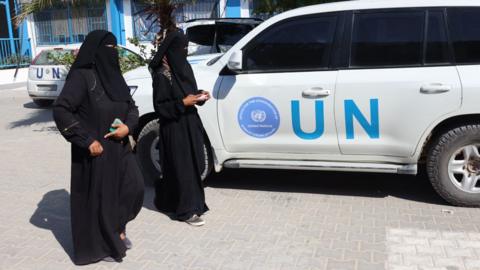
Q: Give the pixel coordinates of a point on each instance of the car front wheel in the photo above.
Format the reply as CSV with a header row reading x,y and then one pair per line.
x,y
149,156
453,165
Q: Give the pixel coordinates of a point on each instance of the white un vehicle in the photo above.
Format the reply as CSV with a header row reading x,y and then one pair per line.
x,y
369,86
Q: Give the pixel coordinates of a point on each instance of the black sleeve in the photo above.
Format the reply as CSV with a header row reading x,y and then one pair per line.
x,y
157,59
164,106
132,117
73,94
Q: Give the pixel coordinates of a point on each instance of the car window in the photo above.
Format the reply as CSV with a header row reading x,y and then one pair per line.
x,y
390,38
50,57
297,44
201,38
464,25
437,50
230,33
201,34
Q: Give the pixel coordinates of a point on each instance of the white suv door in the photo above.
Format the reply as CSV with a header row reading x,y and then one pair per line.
x,y
282,99
399,80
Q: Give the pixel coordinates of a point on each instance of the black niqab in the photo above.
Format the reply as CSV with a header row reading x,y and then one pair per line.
x,y
95,53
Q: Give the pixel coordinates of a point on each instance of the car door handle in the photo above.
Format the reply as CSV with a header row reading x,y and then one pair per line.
x,y
315,92
435,88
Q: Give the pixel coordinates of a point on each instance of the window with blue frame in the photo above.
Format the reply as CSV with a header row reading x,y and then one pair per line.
x,y
68,25
198,10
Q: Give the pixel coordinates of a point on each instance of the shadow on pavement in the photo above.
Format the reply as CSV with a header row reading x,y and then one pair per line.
x,y
35,117
31,105
148,201
53,213
329,183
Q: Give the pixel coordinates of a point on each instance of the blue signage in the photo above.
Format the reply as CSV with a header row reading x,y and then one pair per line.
x,y
258,117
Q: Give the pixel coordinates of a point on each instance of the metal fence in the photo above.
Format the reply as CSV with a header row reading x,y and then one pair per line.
x,y
14,52
198,10
68,25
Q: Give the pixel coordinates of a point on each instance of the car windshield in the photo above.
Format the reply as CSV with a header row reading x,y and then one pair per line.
x,y
230,33
216,38
51,57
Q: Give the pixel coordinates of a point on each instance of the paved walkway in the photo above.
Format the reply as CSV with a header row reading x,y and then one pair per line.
x,y
259,219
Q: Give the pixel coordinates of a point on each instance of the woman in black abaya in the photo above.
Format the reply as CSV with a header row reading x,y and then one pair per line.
x,y
175,94
106,183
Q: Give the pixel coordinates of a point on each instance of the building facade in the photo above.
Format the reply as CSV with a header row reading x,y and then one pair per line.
x,y
68,26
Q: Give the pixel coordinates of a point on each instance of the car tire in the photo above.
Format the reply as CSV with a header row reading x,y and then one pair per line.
x,y
148,157
43,102
453,165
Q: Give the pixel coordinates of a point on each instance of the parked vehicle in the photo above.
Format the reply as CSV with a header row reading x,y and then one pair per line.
x,y
46,77
369,86
47,74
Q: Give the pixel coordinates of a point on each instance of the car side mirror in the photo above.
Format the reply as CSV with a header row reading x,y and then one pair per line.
x,y
235,61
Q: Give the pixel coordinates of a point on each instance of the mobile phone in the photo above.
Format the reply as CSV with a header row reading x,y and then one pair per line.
x,y
203,97
115,122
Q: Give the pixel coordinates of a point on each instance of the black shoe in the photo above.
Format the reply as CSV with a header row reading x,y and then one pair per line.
x,y
108,259
128,243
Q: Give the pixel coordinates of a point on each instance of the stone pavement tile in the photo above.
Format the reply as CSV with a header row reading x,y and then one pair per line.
x,y
430,250
401,267
395,259
329,253
334,236
415,240
265,266
207,264
474,235
351,245
462,227
7,263
361,237
365,256
443,243
183,260
370,266
455,235
378,246
379,257
449,263
311,262
236,265
341,265
417,260
153,256
402,249
472,264
162,266
468,243
453,252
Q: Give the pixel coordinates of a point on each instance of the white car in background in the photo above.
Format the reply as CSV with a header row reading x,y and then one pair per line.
x,y
46,76
388,86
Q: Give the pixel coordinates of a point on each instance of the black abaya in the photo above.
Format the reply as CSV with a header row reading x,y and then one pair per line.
x,y
107,190
182,157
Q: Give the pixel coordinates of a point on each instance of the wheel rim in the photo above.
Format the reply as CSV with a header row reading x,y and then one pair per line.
x,y
464,169
155,154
